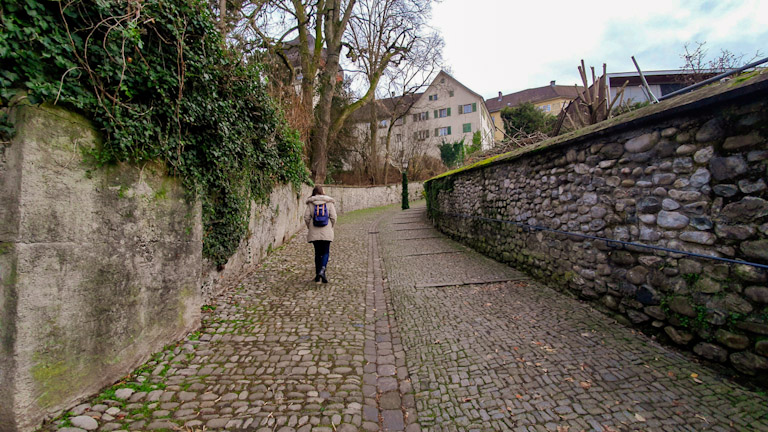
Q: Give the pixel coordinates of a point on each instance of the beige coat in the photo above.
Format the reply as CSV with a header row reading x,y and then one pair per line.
x,y
320,233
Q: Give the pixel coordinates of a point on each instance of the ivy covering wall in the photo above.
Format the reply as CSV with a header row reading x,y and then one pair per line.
x,y
158,81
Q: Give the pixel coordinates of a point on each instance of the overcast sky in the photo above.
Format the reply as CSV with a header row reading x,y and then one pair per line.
x,y
512,45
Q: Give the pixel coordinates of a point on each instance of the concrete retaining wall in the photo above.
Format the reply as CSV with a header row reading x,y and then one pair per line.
x,y
689,174
99,268
351,198
274,223
270,225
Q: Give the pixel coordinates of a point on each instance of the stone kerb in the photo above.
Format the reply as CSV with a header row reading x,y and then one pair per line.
x,y
692,180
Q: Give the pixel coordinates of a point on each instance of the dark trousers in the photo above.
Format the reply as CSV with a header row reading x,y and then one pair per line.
x,y
322,249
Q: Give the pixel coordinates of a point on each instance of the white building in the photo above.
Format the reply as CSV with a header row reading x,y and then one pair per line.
x,y
446,112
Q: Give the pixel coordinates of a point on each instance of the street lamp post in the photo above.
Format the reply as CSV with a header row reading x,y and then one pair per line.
x,y
405,185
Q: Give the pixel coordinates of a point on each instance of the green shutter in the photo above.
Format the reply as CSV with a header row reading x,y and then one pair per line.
x,y
436,116
449,111
474,107
427,115
467,127
460,110
404,119
449,130
435,131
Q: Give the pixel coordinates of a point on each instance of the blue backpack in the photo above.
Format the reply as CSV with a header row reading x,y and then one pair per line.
x,y
320,218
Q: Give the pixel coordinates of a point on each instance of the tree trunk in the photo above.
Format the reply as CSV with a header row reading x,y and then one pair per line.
x,y
334,25
386,151
223,17
373,160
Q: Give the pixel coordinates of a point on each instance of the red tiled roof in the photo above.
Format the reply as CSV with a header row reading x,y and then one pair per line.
x,y
533,95
385,108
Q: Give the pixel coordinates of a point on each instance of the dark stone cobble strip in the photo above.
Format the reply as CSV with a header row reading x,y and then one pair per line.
x,y
389,400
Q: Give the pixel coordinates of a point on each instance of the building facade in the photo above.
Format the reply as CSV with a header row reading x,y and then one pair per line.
x,y
660,82
446,112
550,99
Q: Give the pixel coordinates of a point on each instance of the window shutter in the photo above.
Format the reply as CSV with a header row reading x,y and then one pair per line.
x,y
436,114
427,115
474,107
404,119
436,132
414,117
461,111
449,111
449,130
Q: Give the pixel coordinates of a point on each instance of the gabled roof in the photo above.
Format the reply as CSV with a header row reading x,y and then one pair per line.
x,y
442,72
532,95
385,108
292,54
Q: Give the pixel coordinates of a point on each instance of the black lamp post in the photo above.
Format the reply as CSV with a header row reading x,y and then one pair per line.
x,y
405,185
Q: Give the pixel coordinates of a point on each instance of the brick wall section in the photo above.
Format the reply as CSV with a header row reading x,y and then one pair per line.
x,y
688,175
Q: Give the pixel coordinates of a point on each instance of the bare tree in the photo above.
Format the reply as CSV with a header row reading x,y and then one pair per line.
x,y
377,33
699,67
381,34
415,73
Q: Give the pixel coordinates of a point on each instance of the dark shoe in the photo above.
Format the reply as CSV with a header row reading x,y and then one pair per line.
x,y
317,278
321,275
324,279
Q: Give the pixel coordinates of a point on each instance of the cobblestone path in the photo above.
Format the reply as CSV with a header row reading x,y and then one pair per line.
x,y
516,355
414,332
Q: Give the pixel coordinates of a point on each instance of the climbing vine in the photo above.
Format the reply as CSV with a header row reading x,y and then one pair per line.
x,y
156,78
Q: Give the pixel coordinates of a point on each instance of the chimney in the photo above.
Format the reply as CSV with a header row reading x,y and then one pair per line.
x,y
552,83
499,96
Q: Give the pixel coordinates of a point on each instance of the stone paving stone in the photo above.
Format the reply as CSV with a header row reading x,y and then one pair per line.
x,y
520,356
370,351
279,352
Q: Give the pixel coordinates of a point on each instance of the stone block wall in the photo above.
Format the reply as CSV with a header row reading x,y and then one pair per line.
x,y
688,174
99,268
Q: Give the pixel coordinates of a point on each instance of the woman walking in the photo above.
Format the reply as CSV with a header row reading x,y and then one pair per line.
x,y
320,217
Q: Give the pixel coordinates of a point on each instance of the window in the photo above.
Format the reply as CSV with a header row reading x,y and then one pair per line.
x,y
421,116
443,131
383,123
450,93
546,108
467,127
433,97
445,112
400,121
421,135
398,138
468,108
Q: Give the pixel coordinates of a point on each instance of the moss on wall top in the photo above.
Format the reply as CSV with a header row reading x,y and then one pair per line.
x,y
751,84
